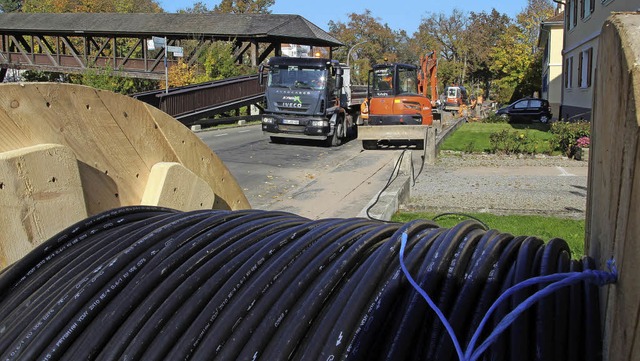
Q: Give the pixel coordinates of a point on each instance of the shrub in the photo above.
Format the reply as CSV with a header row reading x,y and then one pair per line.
x,y
493,118
512,142
566,135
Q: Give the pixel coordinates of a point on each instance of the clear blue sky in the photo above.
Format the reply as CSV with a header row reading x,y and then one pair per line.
x,y
399,15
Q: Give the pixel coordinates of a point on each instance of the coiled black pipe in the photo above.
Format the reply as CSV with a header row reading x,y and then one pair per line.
x,y
152,283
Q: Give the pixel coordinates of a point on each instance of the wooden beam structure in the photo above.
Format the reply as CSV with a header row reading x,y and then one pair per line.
x,y
73,42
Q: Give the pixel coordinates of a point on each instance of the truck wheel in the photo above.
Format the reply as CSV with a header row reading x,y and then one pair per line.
x,y
333,141
370,144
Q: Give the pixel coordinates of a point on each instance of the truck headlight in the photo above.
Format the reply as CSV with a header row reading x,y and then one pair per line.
x,y
268,120
319,123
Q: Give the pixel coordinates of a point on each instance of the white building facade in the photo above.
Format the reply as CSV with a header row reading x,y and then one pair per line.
x,y
583,21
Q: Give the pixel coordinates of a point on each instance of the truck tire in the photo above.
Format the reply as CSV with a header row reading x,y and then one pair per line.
x,y
370,144
334,140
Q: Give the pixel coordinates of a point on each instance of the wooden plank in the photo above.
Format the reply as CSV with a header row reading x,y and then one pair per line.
x,y
40,195
613,218
174,186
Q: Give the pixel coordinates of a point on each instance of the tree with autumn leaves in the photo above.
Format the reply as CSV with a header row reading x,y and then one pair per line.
x,y
490,53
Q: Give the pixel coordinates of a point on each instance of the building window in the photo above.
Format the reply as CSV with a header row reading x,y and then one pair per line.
x,y
568,73
586,8
584,68
567,15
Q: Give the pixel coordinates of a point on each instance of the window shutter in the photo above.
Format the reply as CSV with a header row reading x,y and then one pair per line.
x,y
589,66
580,63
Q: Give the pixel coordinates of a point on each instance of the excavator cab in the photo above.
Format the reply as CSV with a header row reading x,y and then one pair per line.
x,y
394,98
399,108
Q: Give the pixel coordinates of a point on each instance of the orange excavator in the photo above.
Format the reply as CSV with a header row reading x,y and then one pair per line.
x,y
401,101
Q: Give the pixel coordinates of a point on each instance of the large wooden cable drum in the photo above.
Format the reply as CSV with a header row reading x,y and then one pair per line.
x,y
70,151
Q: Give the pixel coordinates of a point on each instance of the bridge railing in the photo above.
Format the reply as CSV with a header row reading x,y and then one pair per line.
x,y
190,103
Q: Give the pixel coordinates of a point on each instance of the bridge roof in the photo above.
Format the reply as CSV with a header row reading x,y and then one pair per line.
x,y
263,27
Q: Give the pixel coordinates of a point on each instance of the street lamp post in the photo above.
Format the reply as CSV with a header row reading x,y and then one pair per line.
x,y
353,47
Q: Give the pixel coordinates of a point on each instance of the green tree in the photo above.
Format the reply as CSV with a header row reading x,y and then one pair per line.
x,y
10,6
378,42
483,34
91,6
447,35
198,8
510,59
218,62
244,6
514,59
531,17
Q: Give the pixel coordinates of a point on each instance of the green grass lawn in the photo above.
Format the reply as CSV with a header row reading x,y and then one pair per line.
x,y
545,228
474,137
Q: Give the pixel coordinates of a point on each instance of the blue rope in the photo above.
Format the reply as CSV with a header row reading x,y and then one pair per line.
x,y
557,281
424,295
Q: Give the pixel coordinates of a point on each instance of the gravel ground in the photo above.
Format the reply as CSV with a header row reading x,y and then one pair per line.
x,y
543,185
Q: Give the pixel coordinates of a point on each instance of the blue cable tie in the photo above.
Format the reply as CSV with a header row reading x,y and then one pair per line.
x,y
556,281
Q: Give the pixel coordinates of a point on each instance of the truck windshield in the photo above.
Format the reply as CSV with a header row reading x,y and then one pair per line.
x,y
292,76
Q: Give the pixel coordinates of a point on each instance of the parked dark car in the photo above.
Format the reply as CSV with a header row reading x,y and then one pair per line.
x,y
527,110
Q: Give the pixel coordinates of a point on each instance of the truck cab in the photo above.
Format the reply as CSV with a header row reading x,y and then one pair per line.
x,y
303,100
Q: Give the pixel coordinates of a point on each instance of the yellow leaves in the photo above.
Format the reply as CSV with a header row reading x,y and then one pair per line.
x,y
182,74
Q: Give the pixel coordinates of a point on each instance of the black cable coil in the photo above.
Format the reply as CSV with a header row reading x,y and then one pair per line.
x,y
148,283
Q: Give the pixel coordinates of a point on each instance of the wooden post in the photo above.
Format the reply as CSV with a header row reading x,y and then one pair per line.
x,y
613,218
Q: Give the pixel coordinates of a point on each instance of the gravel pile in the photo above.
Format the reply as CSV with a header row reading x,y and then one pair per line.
x,y
544,185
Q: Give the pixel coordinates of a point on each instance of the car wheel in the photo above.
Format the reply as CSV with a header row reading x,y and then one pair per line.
x,y
544,119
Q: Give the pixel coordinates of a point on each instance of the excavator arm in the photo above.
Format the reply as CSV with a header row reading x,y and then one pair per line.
x,y
428,77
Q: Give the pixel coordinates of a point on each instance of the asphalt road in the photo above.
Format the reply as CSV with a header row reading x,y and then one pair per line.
x,y
302,177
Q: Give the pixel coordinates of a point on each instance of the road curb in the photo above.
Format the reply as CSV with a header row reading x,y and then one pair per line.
x,y
387,202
